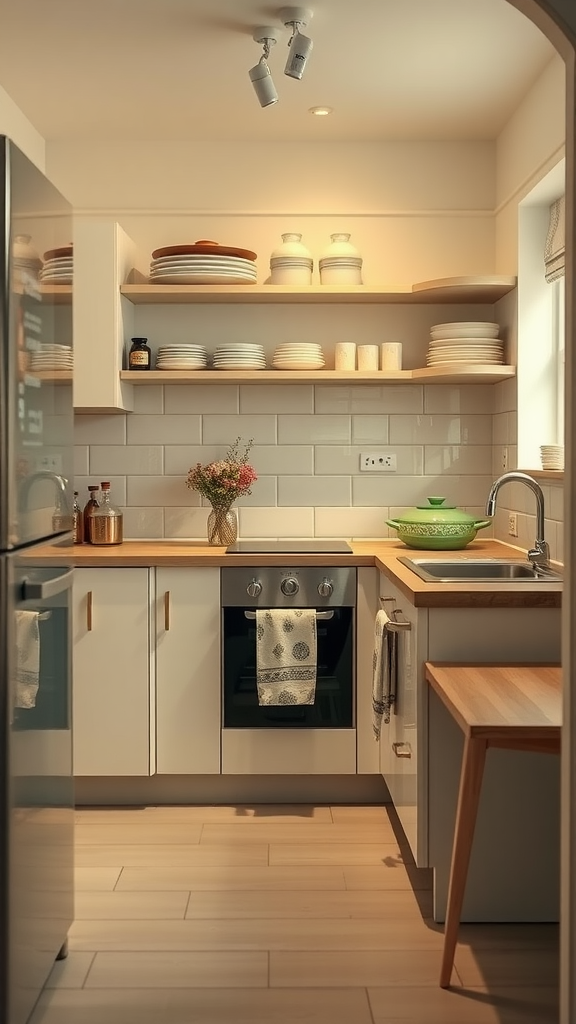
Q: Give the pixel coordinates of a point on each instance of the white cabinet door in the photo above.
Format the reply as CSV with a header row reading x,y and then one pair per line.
x,y
403,740
188,718
111,672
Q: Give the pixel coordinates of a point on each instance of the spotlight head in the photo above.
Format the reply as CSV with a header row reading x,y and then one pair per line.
x,y
260,75
300,45
263,85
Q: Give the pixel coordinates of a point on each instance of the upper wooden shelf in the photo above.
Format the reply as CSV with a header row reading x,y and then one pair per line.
x,y
476,374
489,288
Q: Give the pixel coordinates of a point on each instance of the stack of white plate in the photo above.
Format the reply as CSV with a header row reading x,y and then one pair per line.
x,y
471,342
181,357
202,263
552,456
58,266
239,356
298,356
52,357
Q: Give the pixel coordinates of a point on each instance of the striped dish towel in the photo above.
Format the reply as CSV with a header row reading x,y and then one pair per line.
x,y
286,655
384,661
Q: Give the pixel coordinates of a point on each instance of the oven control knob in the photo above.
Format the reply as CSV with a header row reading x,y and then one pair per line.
x,y
254,589
289,586
326,588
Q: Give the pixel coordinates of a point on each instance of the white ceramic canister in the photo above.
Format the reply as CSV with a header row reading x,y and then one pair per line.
x,y
340,245
340,263
342,274
345,355
291,262
391,355
367,357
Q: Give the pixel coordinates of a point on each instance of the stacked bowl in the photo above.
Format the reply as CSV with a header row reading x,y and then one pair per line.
x,y
181,357
465,342
298,356
52,357
239,356
204,262
552,456
58,266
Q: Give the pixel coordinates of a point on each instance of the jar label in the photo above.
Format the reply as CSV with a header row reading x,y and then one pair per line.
x,y
139,359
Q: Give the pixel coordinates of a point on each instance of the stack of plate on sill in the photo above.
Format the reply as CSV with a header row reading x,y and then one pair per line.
x,y
470,342
58,266
552,456
202,263
182,357
52,357
298,356
239,356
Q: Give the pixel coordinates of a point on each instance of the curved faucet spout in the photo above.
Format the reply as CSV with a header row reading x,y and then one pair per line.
x,y
540,553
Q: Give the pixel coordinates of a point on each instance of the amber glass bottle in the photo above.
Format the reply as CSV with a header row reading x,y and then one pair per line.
x,y
89,507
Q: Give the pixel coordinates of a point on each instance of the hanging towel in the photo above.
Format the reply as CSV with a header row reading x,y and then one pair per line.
x,y
27,659
384,661
286,655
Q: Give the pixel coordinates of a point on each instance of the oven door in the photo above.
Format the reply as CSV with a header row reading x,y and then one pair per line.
x,y
334,706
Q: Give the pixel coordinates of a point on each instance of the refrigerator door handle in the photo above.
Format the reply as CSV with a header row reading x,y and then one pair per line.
x,y
35,591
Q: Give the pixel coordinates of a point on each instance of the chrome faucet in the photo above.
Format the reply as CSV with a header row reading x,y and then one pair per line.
x,y
539,555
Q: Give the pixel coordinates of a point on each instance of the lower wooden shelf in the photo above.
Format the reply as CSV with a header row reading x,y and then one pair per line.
x,y
474,374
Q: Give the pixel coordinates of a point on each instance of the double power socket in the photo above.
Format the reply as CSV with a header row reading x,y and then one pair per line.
x,y
377,462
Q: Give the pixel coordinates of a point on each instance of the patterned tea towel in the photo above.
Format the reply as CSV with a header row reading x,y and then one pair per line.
x,y
384,661
286,655
27,659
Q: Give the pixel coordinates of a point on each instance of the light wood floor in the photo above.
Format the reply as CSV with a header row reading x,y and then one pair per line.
x,y
276,915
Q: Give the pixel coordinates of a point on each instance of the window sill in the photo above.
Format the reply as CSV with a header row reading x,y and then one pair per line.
x,y
556,475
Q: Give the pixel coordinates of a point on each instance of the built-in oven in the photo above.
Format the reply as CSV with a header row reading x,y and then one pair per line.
x,y
331,592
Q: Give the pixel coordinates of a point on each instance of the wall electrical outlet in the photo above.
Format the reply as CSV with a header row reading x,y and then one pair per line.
x,y
512,524
377,462
504,459
49,464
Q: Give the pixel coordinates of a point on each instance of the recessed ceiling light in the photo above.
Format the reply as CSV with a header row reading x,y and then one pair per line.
x,y
321,111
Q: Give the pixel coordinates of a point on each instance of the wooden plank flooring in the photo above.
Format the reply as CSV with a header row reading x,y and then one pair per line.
x,y
277,915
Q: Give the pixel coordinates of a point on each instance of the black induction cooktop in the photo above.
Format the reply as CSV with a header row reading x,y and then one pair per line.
x,y
289,547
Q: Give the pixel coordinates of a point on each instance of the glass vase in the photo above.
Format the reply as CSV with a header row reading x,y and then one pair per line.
x,y
222,526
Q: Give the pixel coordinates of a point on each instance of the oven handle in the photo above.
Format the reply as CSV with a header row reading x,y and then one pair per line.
x,y
319,615
33,591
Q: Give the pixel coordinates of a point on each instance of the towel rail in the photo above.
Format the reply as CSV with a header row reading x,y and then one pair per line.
x,y
319,615
396,625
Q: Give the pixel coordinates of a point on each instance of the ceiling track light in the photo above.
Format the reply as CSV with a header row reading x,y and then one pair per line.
x,y
300,45
260,74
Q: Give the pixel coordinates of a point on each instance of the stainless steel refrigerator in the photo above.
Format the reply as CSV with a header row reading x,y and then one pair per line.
x,y
36,446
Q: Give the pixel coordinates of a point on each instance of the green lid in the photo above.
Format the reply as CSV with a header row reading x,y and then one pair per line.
x,y
435,511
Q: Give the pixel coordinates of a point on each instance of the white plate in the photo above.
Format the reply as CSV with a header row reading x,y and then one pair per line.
x,y
465,350
453,361
240,347
298,366
203,279
239,366
466,341
193,258
181,268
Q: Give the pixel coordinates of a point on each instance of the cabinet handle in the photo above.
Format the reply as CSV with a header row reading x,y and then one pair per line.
x,y
89,611
167,611
397,748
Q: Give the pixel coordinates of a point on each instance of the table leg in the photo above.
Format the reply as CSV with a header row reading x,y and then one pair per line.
x,y
468,799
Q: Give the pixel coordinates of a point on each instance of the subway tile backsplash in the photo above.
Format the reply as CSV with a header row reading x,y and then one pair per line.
x,y
307,446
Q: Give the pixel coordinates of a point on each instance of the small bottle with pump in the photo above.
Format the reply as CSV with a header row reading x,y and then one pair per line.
x,y
106,521
77,521
89,508
140,355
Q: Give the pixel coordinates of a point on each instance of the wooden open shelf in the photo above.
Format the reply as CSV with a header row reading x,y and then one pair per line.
x,y
477,374
488,288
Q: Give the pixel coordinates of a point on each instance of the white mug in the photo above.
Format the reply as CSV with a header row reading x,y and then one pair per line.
x,y
368,357
391,355
345,355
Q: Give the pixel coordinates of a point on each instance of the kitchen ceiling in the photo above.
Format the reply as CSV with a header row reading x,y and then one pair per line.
x,y
178,69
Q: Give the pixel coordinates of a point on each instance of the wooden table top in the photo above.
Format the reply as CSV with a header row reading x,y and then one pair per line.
x,y
501,701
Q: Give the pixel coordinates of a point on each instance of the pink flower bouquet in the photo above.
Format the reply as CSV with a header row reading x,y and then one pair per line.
x,y
224,481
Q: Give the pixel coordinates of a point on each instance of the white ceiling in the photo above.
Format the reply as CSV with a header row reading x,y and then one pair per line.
x,y
178,69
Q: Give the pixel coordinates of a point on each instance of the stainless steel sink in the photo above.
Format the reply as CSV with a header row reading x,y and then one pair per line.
x,y
478,570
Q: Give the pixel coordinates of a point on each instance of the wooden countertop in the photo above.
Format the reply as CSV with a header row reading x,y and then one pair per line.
x,y
383,554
